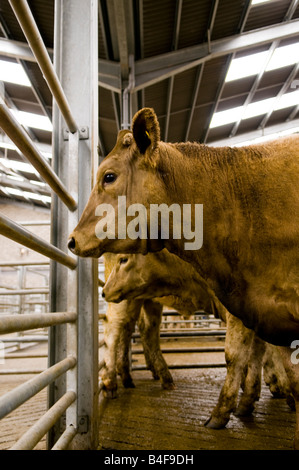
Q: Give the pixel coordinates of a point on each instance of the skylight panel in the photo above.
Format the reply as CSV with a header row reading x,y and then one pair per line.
x,y
257,108
284,56
13,73
246,66
252,64
18,166
33,120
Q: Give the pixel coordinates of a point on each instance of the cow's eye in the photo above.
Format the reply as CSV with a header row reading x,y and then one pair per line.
x,y
109,178
123,260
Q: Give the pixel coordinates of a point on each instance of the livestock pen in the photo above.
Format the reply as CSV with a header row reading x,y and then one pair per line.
x,y
51,333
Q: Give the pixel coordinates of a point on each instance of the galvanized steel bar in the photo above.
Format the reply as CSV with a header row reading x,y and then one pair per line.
x,y
13,399
25,339
35,41
21,139
65,439
72,281
21,371
25,292
187,366
75,48
14,323
8,264
29,440
12,230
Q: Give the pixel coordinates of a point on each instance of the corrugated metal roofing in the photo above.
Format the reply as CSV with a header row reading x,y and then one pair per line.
x,y
186,99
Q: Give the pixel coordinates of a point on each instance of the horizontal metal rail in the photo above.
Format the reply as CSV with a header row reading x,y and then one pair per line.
x,y
25,292
185,350
35,41
12,264
17,134
24,339
14,398
173,334
19,234
65,439
29,440
21,371
186,366
14,323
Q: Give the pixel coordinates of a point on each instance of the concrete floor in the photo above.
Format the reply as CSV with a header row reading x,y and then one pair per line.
x,y
150,418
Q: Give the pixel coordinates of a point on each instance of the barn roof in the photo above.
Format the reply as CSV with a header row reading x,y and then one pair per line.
x,y
174,56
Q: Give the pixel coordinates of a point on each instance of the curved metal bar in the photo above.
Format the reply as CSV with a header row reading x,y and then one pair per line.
x,y
19,234
19,137
35,41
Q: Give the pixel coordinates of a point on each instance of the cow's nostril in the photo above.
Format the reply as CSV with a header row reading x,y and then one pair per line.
x,y
71,244
103,295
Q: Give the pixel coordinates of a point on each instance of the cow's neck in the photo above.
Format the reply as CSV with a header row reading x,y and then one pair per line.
x,y
200,175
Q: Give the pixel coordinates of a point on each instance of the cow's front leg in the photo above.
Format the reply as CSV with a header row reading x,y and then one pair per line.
x,y
112,329
290,361
237,346
149,327
123,364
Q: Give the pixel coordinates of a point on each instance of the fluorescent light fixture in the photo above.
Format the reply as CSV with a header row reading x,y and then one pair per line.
x,y
18,166
33,120
254,109
252,64
13,73
27,194
9,146
258,2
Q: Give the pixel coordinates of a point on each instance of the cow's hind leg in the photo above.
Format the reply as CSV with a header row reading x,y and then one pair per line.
x,y
252,379
274,373
237,346
149,327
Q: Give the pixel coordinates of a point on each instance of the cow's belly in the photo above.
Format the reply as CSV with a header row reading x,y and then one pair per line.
x,y
273,323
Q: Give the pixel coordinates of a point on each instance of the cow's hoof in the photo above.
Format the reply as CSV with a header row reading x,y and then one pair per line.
x,y
244,410
168,386
128,383
110,393
216,423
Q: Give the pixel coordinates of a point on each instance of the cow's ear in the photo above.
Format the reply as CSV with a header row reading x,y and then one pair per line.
x,y
146,130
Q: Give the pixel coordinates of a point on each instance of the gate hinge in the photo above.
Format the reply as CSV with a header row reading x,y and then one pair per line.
x,y
83,133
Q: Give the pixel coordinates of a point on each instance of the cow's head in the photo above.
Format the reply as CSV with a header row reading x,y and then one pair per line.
x,y
129,170
134,276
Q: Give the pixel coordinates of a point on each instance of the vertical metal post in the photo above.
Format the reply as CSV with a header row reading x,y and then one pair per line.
x,y
76,65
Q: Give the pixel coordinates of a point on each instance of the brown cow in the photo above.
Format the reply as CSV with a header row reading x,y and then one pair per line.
x,y
250,198
155,277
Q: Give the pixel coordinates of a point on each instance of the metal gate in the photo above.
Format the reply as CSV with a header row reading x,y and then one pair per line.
x,y
72,374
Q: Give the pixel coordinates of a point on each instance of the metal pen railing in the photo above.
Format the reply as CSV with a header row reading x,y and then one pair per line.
x,y
67,403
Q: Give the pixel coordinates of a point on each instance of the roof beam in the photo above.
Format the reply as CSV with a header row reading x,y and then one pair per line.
x,y
260,75
175,40
152,70
248,136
